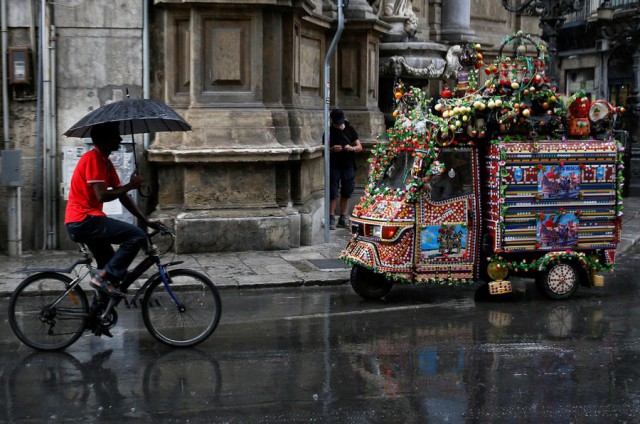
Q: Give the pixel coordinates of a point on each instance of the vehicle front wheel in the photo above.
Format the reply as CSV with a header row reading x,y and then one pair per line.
x,y
559,280
368,284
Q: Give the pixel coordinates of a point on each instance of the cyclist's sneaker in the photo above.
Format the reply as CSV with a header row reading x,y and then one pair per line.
x,y
99,330
104,331
343,222
103,285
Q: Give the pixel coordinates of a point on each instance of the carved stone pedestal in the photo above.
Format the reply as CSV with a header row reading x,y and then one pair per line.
x,y
249,79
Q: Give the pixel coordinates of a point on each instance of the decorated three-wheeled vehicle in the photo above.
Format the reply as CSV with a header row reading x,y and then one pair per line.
x,y
491,180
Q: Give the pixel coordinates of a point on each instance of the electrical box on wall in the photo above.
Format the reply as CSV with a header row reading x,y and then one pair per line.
x,y
11,171
19,65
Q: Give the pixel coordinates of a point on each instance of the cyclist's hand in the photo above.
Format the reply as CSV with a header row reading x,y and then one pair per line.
x,y
159,228
136,181
155,225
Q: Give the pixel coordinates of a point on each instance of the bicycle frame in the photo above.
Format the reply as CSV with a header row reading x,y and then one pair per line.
x,y
188,319
152,258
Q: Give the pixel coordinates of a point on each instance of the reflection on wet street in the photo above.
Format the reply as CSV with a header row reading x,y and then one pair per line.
x,y
423,355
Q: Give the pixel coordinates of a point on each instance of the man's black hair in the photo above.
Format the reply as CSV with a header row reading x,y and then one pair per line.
x,y
100,131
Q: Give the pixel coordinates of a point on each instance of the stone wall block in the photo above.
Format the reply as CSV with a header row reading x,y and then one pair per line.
x,y
232,234
229,185
170,186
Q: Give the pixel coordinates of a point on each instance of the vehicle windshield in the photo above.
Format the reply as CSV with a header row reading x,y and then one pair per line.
x,y
398,174
457,178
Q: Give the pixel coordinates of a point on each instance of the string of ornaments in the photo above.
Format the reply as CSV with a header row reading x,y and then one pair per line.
x,y
516,102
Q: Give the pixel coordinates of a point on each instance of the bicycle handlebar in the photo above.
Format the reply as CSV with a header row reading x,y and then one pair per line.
x,y
163,231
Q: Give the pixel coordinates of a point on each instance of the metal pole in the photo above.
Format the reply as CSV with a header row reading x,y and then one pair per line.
x,y
5,86
39,228
53,111
14,200
552,26
46,118
146,60
327,102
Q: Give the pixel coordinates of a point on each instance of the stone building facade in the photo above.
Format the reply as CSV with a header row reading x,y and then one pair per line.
x,y
247,75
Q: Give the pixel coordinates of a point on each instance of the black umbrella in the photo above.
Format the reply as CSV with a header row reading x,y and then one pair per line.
x,y
136,116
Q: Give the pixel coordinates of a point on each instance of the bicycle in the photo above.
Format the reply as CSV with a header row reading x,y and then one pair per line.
x,y
50,311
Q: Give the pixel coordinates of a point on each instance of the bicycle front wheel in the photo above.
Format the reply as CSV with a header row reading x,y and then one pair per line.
x,y
42,316
186,318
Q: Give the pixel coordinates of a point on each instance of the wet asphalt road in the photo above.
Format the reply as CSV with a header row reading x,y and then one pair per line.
x,y
323,355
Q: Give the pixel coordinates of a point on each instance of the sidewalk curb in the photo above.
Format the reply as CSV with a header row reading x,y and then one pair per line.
x,y
266,270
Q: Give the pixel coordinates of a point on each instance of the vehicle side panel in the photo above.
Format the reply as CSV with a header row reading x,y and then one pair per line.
x,y
553,195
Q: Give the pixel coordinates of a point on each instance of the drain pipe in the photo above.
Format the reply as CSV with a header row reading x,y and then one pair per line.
x,y
48,128
44,87
5,85
145,62
53,133
327,102
38,222
14,201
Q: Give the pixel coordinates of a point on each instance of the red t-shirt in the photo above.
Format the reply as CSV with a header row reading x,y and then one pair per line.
x,y
93,167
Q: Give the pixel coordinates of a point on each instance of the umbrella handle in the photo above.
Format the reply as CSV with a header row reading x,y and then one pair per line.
x,y
145,191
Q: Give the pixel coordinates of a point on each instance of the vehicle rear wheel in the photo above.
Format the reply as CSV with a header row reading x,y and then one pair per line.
x,y
559,281
368,284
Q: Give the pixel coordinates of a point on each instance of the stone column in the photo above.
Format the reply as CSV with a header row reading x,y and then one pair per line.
x,y
456,21
359,9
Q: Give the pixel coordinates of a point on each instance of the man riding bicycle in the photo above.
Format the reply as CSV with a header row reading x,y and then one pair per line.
x,y
93,183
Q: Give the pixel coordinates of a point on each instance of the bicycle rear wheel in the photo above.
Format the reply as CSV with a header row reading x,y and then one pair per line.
x,y
41,317
188,320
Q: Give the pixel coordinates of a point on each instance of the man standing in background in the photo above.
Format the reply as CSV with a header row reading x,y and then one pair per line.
x,y
344,143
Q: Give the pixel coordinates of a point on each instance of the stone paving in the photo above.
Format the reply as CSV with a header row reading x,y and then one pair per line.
x,y
228,270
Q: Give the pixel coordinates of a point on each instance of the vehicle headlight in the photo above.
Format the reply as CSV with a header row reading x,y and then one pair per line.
x,y
384,232
389,232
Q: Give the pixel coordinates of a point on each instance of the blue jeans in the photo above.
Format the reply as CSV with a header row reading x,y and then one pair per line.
x,y
99,233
